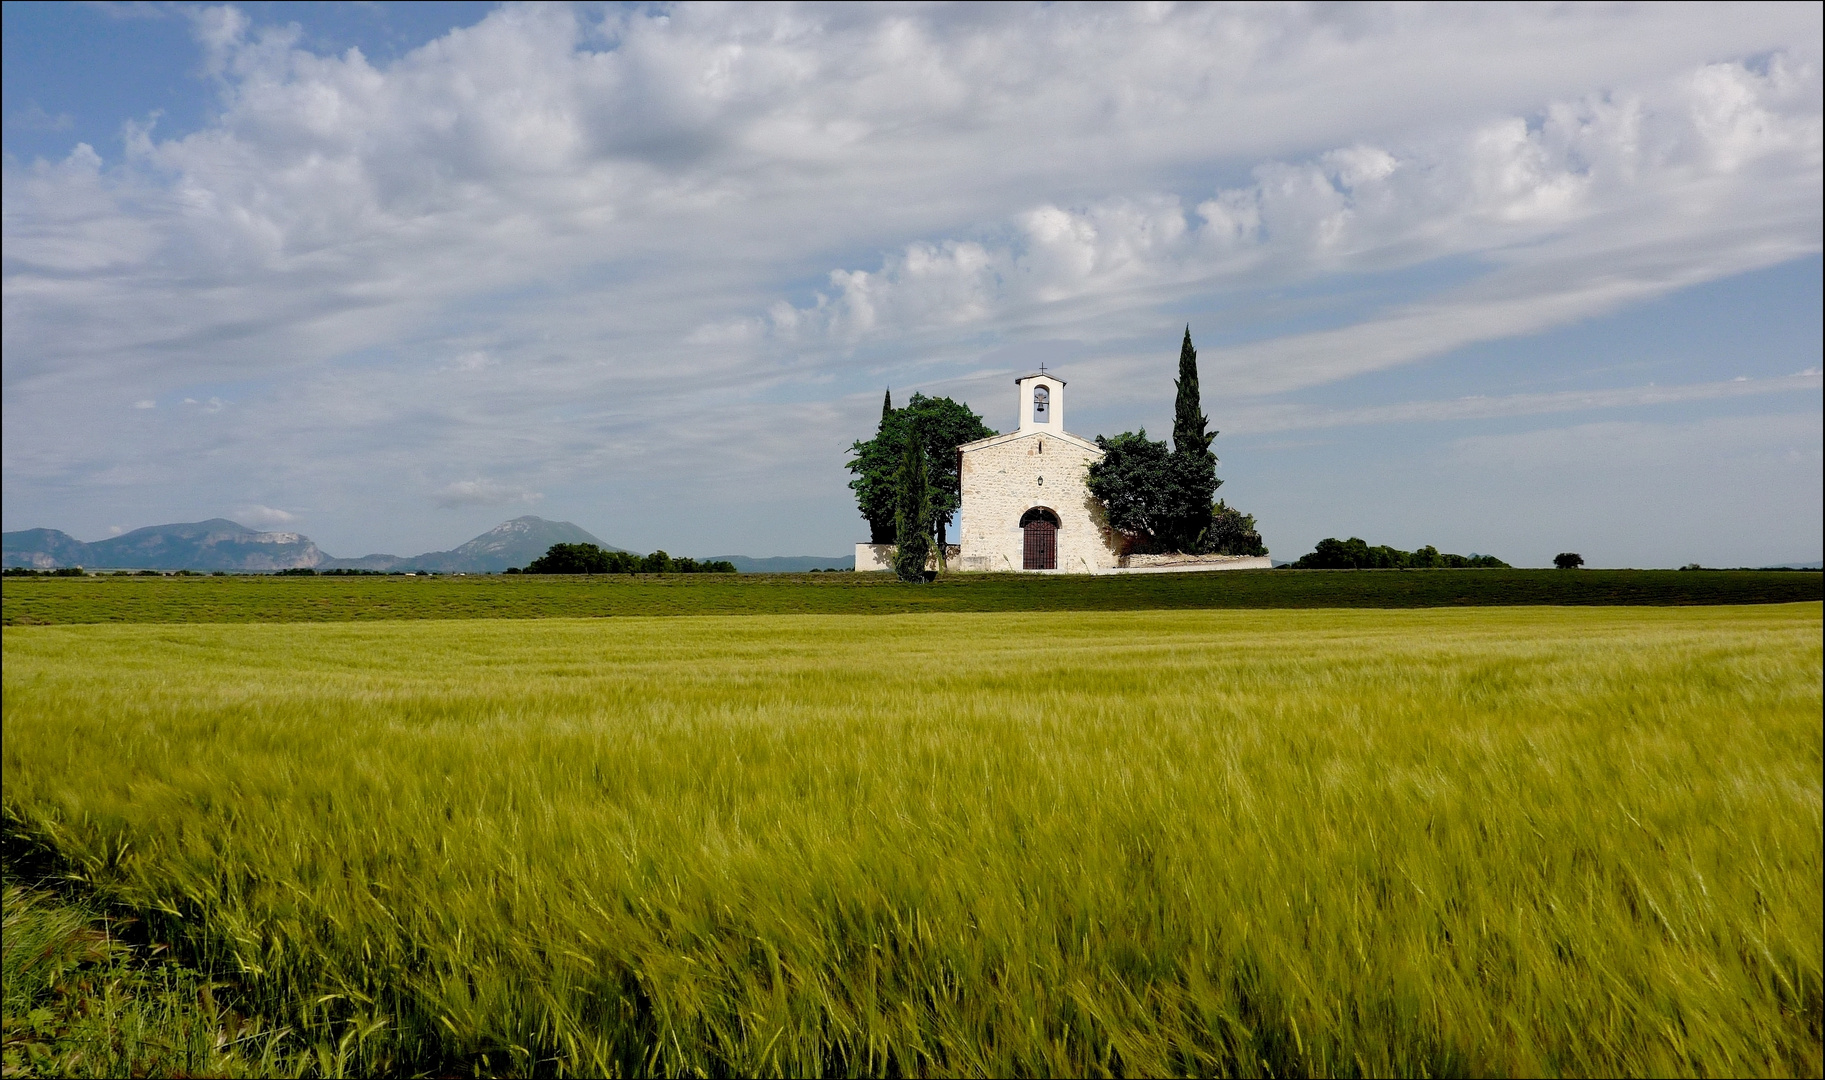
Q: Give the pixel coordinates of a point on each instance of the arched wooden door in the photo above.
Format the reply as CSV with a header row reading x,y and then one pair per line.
x,y
1040,551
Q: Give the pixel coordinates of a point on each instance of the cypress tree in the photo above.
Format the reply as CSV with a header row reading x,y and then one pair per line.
x,y
912,512
881,525
1194,466
941,425
1188,420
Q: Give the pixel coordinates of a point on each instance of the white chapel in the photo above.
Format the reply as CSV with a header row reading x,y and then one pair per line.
x,y
1026,503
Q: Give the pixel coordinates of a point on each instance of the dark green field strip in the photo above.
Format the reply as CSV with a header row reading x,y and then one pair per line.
x,y
270,599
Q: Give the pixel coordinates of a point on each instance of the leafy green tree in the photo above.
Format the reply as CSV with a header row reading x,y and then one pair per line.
x,y
942,425
876,463
912,513
570,559
1232,532
1138,487
1568,560
590,559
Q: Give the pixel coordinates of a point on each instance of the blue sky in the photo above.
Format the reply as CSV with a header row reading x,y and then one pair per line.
x,y
1508,280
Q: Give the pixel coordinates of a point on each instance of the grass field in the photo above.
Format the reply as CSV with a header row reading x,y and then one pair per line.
x,y
42,601
1565,841
84,1000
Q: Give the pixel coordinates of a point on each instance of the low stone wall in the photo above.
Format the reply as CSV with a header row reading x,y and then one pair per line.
x,y
1160,564
880,557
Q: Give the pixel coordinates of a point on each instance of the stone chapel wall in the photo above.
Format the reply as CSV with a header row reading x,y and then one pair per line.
x,y
1003,480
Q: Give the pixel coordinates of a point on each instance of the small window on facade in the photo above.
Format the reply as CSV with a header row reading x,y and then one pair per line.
x,y
1042,399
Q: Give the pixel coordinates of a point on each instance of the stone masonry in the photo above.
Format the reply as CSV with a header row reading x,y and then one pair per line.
x,y
1038,465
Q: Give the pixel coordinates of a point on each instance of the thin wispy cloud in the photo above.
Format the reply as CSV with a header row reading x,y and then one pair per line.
x,y
33,117
484,493
1265,419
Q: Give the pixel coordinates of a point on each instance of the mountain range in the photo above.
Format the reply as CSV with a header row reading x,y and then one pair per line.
x,y
511,543
220,544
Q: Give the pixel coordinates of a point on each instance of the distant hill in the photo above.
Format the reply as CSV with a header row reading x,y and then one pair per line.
x,y
216,544
511,543
786,564
220,544
42,549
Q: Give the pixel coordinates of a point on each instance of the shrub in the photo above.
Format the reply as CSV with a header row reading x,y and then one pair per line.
x,y
1231,533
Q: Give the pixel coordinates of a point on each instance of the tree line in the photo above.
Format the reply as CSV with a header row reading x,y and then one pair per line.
x,y
591,559
1356,554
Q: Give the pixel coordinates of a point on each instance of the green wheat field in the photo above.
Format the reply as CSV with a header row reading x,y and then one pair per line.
x,y
1450,841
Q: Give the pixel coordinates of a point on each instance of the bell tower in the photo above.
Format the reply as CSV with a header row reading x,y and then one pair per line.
x,y
1041,402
